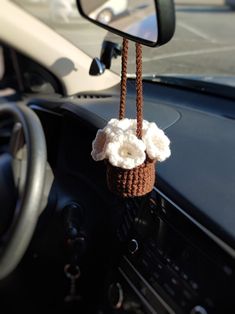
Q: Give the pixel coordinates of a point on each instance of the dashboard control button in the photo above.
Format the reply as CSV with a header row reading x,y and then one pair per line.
x,y
168,260
159,266
184,276
174,281
198,309
194,285
133,246
176,267
152,203
115,295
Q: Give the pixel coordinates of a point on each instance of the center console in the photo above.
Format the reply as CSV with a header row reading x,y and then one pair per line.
x,y
170,264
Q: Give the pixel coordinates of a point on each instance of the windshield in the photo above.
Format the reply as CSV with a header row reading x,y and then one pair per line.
x,y
203,45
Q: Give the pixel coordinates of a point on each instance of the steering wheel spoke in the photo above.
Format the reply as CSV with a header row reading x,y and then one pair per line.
x,y
17,139
27,131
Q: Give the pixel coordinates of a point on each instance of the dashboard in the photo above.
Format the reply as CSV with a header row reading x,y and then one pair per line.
x,y
173,250
169,265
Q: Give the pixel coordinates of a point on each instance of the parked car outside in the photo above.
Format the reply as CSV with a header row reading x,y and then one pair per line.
x,y
107,11
62,10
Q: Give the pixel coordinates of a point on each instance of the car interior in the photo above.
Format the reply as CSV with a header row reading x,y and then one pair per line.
x,y
68,244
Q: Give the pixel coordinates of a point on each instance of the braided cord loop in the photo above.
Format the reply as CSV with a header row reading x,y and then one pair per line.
x,y
139,86
139,91
122,109
139,180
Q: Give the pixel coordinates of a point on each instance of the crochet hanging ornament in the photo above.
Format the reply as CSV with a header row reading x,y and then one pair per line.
x,y
131,147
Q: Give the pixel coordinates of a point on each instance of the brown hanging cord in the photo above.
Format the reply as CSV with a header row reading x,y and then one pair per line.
x,y
139,91
139,86
139,180
122,109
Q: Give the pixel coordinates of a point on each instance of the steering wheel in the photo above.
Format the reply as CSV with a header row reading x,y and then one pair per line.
x,y
28,203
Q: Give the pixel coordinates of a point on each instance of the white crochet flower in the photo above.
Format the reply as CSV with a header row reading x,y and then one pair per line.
x,y
123,124
99,146
145,126
127,125
112,132
157,143
133,125
118,143
103,137
127,153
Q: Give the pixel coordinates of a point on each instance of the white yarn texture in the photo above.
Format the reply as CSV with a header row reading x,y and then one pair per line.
x,y
118,143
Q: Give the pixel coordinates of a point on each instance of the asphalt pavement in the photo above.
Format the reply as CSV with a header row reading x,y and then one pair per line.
x,y
204,43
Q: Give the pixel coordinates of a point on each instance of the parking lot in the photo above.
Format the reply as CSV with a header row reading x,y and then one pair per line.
x,y
204,41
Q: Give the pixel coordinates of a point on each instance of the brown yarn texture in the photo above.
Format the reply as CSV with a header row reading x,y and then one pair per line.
x,y
122,109
140,180
134,182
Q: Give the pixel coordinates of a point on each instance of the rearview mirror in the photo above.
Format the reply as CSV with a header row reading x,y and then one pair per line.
x,y
149,22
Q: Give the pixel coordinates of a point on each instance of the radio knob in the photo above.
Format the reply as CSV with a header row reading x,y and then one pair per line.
x,y
133,246
198,309
115,295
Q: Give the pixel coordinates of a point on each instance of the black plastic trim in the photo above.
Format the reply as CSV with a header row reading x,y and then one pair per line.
x,y
165,11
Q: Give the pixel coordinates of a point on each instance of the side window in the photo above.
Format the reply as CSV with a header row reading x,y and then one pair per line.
x,y
8,81
6,89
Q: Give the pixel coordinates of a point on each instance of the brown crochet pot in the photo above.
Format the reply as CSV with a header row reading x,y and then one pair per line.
x,y
129,183
140,180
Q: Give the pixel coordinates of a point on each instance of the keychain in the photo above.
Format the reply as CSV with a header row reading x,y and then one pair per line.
x,y
72,273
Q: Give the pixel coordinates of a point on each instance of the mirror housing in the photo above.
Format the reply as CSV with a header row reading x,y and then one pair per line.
x,y
155,29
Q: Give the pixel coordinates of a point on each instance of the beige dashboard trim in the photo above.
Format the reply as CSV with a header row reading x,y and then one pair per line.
x,y
36,40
